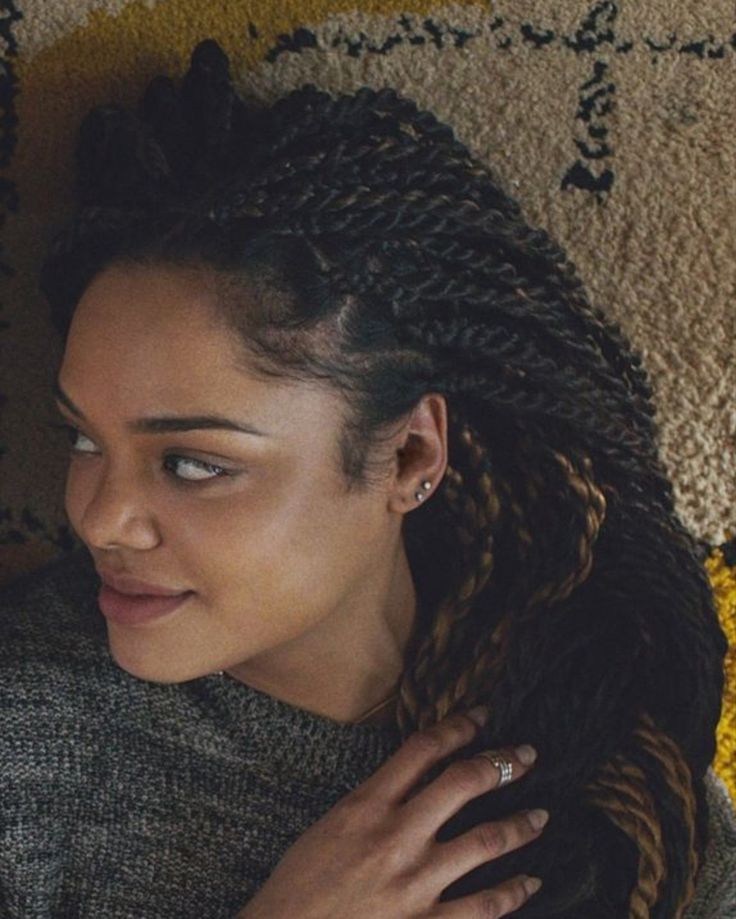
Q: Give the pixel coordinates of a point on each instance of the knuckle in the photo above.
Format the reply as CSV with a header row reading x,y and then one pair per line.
x,y
459,724
393,856
428,743
466,776
356,809
497,902
354,802
489,905
459,721
493,838
442,737
519,893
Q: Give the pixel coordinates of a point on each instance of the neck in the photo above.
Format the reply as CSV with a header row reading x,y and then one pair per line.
x,y
381,713
351,661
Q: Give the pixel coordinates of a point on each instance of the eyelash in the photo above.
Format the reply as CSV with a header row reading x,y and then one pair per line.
x,y
72,432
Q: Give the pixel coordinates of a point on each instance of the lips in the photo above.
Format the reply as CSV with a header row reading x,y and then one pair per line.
x,y
138,609
125,584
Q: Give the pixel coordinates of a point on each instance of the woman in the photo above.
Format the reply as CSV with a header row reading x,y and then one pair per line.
x,y
329,394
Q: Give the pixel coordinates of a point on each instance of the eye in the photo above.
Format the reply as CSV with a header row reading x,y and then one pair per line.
x,y
203,472
72,433
218,471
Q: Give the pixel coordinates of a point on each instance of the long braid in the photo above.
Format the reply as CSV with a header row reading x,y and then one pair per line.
x,y
450,632
431,687
622,790
562,586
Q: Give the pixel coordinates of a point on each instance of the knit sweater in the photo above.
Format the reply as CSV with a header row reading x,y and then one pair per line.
x,y
122,798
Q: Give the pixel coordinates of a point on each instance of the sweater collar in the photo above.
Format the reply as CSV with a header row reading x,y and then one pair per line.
x,y
291,740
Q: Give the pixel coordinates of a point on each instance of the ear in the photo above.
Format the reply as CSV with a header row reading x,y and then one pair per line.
x,y
421,453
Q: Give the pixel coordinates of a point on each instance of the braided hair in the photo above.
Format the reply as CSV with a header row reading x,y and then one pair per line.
x,y
560,585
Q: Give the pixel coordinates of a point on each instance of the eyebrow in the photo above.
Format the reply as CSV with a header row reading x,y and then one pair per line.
x,y
166,424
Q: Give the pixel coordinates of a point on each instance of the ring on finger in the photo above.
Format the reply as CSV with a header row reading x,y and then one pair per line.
x,y
504,766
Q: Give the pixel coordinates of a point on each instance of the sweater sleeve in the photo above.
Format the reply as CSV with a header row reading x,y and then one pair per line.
x,y
715,895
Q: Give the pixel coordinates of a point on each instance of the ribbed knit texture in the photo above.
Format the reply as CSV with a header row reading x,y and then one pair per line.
x,y
126,798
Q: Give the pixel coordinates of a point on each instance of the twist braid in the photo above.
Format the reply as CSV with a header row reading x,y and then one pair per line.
x,y
522,605
621,792
428,693
678,778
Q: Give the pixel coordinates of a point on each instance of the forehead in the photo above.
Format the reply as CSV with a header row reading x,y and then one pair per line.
x,y
147,340
157,309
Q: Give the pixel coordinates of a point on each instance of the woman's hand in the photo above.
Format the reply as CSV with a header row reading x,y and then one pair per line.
x,y
374,853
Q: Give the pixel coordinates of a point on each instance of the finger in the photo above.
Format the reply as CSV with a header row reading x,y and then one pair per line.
x,y
452,859
397,776
490,904
461,781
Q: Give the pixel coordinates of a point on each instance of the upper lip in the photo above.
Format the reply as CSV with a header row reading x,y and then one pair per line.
x,y
125,584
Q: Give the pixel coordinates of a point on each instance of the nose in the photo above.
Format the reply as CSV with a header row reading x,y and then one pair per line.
x,y
118,513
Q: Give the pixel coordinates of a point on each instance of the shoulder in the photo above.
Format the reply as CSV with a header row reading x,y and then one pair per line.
x,y
51,607
55,677
715,895
53,641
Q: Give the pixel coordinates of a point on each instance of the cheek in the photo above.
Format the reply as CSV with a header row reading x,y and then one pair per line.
x,y
296,557
78,492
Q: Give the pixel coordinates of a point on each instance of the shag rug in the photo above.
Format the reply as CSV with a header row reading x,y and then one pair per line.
x,y
611,123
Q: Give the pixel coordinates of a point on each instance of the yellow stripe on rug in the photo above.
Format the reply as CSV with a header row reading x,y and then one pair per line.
x,y
723,581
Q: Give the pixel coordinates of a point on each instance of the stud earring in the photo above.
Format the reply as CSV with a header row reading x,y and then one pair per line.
x,y
419,495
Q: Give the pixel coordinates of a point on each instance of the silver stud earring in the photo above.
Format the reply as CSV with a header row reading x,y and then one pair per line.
x,y
419,495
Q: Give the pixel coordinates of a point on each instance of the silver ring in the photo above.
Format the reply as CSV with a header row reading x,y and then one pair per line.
x,y
505,768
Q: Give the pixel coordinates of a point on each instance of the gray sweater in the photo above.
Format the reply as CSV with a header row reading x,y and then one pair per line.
x,y
125,798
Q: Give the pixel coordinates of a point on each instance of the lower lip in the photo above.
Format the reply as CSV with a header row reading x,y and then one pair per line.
x,y
135,610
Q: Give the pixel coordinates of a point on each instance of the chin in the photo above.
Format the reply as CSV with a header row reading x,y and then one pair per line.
x,y
150,667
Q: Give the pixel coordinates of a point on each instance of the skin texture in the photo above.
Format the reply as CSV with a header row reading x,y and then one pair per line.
x,y
303,590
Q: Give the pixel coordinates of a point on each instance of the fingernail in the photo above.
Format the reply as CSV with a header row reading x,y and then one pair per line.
x,y
479,715
537,818
525,754
532,884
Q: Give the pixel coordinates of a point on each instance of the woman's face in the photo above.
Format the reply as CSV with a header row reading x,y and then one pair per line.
x,y
276,550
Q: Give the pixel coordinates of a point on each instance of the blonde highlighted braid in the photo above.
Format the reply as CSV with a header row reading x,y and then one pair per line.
x,y
621,790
